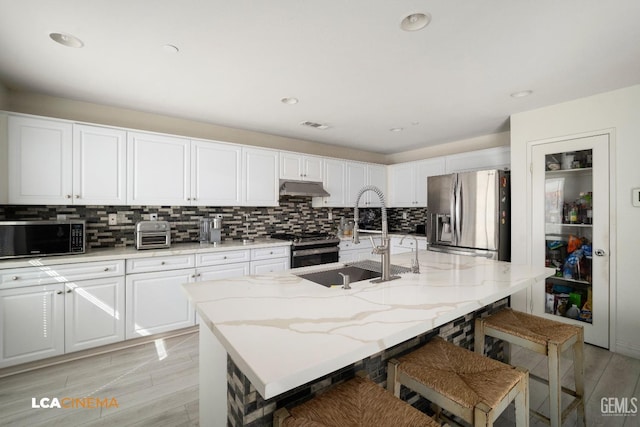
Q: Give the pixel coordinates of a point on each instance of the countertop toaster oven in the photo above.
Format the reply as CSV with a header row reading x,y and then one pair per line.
x,y
153,235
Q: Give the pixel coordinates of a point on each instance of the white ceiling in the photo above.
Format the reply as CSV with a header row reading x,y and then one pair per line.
x,y
348,61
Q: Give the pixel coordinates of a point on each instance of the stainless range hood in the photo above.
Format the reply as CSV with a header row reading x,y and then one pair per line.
x,y
302,188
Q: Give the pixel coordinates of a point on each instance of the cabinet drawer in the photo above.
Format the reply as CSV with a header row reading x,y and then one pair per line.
x,y
61,273
161,263
215,258
348,245
267,253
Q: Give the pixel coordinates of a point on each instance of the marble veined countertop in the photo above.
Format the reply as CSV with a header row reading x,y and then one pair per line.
x,y
109,254
284,331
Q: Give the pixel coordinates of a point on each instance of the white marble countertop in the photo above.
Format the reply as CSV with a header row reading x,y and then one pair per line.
x,y
283,331
108,254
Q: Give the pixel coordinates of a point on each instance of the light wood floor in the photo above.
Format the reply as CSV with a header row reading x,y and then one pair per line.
x,y
156,384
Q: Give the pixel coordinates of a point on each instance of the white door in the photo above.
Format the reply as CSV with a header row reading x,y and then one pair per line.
x,y
40,161
216,174
377,176
156,302
570,228
402,185
99,165
334,183
260,171
158,170
312,168
356,179
265,266
94,313
291,166
32,324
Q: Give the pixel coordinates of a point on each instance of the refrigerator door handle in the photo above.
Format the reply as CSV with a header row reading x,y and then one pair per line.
x,y
452,210
458,212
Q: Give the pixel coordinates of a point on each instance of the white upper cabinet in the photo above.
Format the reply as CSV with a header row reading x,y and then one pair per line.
x,y
57,163
377,176
40,161
158,170
99,165
408,182
300,168
491,158
334,182
356,179
260,178
216,174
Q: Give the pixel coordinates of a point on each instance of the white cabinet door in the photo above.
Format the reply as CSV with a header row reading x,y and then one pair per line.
x,y
402,189
377,176
156,302
40,161
94,313
356,179
99,166
216,174
260,171
158,170
32,325
424,170
269,265
300,168
334,182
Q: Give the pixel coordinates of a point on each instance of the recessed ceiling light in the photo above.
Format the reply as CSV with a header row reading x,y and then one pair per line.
x,y
290,101
415,21
415,123
396,129
521,94
169,48
66,40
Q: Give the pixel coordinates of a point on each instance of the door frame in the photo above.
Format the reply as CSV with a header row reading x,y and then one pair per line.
x,y
611,134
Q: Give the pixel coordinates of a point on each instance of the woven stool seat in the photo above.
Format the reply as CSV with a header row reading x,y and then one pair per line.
x,y
531,328
357,402
544,336
460,381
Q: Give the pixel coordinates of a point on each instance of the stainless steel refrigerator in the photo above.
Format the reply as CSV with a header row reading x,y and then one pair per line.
x,y
469,213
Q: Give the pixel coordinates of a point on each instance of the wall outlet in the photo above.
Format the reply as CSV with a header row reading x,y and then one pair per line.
x,y
404,215
61,217
153,217
330,215
113,219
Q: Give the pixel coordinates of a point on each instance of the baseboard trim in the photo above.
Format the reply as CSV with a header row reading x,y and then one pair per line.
x,y
627,349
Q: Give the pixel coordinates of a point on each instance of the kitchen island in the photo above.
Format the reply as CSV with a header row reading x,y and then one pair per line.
x,y
286,338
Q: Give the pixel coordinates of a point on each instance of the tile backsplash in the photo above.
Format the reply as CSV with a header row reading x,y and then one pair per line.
x,y
295,214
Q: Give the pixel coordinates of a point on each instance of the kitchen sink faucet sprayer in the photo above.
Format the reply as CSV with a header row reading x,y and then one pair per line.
x,y
384,250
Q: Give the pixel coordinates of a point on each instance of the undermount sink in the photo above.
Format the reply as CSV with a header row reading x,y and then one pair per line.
x,y
356,273
330,278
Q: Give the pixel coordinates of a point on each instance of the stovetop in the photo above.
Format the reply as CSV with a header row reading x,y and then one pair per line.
x,y
305,237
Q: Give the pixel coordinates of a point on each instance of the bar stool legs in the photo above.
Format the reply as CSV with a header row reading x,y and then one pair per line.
x,y
546,337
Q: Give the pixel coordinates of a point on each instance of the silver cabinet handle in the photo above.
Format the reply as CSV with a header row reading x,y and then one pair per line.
x,y
224,257
77,196
106,269
600,252
69,291
59,292
14,278
68,196
162,262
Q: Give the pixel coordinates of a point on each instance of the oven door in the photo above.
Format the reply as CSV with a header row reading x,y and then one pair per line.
x,y
317,256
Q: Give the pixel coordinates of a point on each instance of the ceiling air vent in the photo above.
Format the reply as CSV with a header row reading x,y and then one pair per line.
x,y
315,125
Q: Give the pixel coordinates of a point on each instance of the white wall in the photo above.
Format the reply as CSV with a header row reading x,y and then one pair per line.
x,y
4,97
618,111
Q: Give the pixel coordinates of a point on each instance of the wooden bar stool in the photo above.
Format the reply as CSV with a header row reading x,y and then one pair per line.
x,y
473,387
547,337
357,402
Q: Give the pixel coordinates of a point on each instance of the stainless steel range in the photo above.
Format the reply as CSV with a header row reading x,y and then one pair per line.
x,y
311,248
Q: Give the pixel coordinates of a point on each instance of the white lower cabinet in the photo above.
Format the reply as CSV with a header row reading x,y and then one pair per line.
x,y
48,319
265,266
399,246
157,303
32,325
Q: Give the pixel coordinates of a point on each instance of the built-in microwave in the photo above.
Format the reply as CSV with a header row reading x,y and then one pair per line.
x,y
41,238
